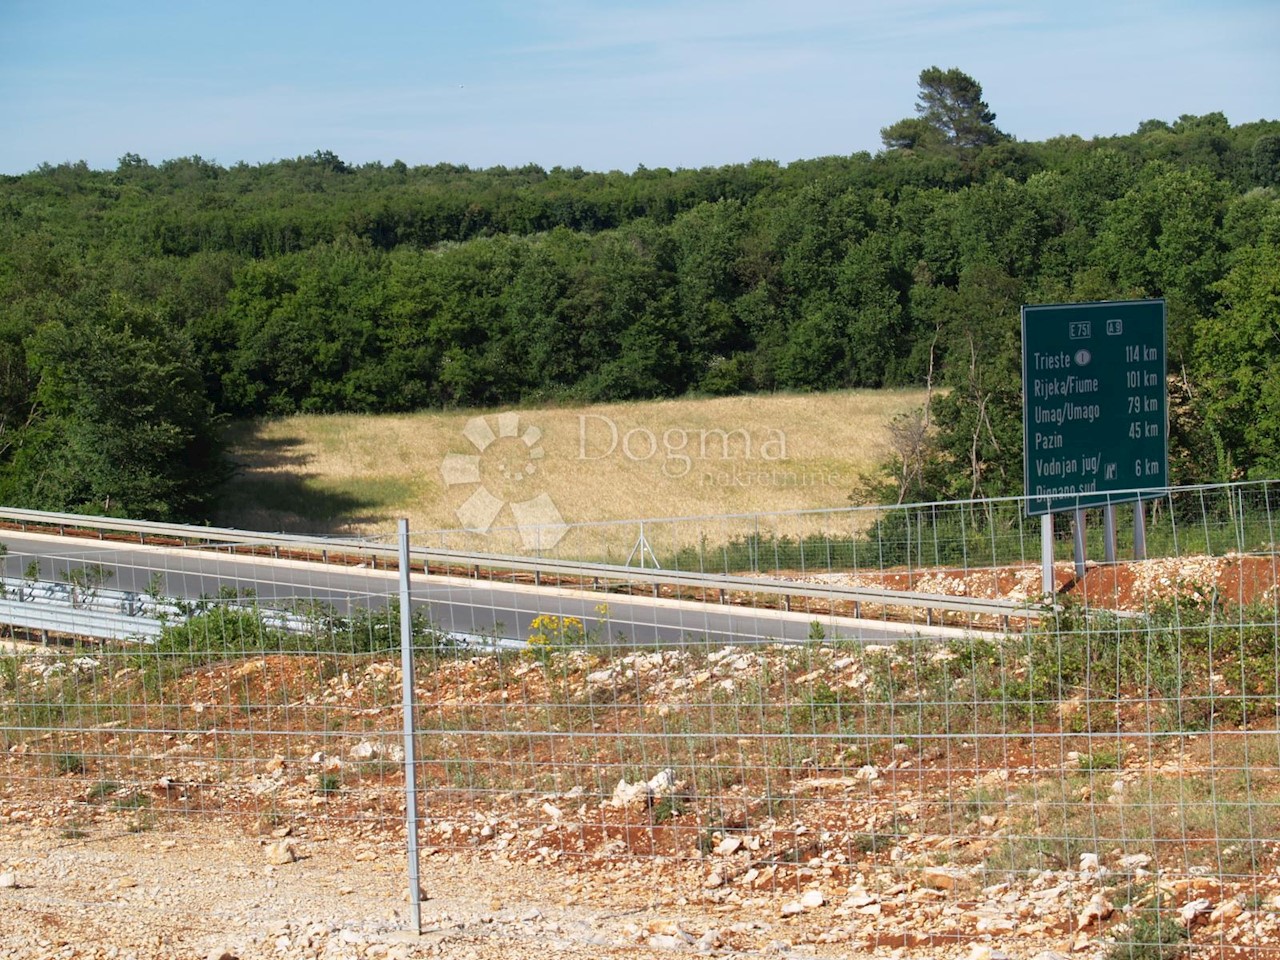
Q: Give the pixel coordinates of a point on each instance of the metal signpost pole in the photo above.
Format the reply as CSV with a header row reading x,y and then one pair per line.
x,y
1046,554
410,766
1139,531
1109,532
1077,543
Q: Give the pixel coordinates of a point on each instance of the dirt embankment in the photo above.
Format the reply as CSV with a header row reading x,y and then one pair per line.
x,y
819,801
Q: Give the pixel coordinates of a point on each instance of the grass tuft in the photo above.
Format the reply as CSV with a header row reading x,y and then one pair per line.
x,y
1152,936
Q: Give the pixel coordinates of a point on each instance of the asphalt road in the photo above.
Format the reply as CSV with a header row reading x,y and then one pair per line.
x,y
456,605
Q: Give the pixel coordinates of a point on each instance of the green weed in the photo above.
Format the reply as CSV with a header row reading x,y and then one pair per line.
x,y
101,790
68,763
1152,936
329,783
668,808
1102,760
134,801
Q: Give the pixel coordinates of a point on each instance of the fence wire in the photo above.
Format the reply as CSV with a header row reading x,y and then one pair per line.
x,y
1111,769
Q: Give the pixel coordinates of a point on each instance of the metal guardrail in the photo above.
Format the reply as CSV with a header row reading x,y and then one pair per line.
x,y
104,614
538,567
107,614
73,621
95,598
129,603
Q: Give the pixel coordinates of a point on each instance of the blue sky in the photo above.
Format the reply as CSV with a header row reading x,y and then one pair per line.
x,y
602,85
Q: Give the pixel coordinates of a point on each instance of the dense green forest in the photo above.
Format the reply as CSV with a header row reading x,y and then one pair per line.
x,y
142,307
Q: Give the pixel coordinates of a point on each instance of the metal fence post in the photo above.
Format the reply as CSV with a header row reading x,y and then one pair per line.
x,y
410,766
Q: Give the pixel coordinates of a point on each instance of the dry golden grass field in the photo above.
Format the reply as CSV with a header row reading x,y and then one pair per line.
x,y
497,469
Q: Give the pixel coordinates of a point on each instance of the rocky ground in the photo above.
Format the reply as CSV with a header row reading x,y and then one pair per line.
x,y
1129,586
205,889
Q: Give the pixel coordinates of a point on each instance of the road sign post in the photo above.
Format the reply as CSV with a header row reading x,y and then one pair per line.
x,y
1095,407
1046,555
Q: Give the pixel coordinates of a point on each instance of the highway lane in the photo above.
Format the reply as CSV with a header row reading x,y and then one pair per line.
x,y
454,604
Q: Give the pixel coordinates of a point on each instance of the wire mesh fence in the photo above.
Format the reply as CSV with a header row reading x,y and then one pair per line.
x,y
1106,773
1213,519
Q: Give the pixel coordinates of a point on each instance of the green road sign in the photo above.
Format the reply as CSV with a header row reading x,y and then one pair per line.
x,y
1094,405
